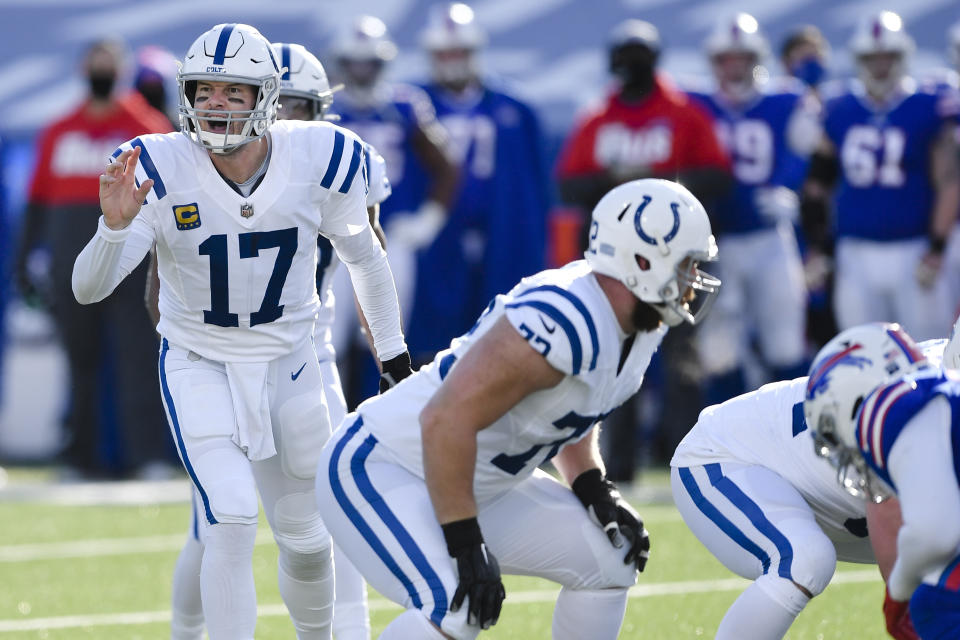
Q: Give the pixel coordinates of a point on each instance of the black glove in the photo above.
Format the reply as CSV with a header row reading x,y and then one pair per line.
x,y
394,370
617,518
479,573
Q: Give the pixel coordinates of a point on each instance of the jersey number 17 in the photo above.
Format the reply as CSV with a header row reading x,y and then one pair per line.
x,y
250,245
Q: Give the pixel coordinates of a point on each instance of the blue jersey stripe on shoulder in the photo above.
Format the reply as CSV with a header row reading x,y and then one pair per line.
x,y
221,51
334,165
582,308
285,61
354,165
150,169
557,316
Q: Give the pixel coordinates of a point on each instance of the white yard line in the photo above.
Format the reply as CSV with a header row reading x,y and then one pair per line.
x,y
377,603
101,547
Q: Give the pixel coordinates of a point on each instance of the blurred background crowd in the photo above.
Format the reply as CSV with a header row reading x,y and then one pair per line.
x,y
821,137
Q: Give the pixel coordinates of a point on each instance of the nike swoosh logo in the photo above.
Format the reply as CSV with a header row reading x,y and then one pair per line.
x,y
294,376
548,328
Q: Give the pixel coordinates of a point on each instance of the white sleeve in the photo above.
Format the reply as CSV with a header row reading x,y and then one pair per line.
x,y
108,258
373,283
379,188
921,466
804,130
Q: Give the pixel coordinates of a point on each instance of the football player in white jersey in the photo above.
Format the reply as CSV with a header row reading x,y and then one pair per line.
x,y
888,420
305,94
408,483
750,486
234,203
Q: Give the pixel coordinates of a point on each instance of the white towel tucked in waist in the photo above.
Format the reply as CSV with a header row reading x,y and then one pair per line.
x,y
248,386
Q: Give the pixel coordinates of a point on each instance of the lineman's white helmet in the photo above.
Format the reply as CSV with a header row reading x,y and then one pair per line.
x,y
842,375
883,32
453,28
304,77
739,34
650,235
229,53
365,39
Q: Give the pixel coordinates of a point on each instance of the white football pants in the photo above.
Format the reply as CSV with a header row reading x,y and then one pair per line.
x,y
876,282
763,293
382,517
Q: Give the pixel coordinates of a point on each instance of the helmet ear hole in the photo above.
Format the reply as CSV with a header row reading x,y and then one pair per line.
x,y
856,405
642,262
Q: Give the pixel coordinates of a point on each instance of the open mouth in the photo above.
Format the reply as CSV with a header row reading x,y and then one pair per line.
x,y
217,126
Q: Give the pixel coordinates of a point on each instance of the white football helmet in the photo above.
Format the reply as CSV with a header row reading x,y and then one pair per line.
x,y
304,77
842,375
740,34
452,28
650,234
229,53
883,32
365,40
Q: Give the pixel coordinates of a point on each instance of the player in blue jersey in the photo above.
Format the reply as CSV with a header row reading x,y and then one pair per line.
x,y
890,423
434,486
398,120
765,131
496,233
893,157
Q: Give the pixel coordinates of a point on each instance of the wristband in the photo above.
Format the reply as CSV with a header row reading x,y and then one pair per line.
x,y
591,487
397,368
462,534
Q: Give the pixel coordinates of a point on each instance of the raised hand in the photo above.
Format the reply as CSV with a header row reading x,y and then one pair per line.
x,y
120,199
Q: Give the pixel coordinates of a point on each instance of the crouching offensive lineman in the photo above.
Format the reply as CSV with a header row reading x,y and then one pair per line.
x,y
433,487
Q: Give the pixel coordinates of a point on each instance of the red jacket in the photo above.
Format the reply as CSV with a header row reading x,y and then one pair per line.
x,y
664,132
73,151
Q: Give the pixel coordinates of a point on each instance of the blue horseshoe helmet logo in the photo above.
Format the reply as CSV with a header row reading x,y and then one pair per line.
x,y
674,206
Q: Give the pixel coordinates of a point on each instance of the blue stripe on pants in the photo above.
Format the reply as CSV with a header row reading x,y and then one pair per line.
x,y
176,429
407,543
753,511
733,532
365,530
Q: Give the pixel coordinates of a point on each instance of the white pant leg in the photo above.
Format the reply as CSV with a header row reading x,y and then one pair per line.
x,y
951,270
926,314
382,516
539,528
861,290
778,295
351,618
721,337
202,420
754,522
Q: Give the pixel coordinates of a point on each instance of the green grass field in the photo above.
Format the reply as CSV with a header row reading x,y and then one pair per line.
x,y
103,572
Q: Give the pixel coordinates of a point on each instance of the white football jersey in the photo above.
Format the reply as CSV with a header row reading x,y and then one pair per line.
x,y
378,190
237,274
767,428
563,314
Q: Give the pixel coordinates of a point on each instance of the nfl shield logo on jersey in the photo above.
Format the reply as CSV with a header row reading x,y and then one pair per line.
x,y
246,210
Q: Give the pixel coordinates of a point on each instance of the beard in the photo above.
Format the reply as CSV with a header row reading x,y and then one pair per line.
x,y
644,317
